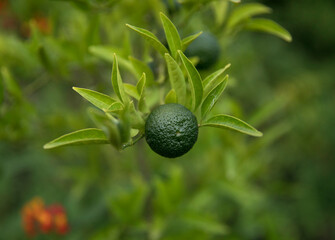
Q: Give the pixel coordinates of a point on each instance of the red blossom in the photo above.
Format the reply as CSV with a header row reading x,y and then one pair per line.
x,y
37,218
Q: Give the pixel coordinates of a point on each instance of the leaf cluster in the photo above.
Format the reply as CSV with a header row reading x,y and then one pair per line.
x,y
122,124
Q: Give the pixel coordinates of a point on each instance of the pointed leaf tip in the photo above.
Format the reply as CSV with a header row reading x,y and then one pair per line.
x,y
171,34
232,123
98,99
151,38
81,137
194,79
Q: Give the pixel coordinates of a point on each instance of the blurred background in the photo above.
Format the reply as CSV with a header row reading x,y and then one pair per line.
x,y
229,186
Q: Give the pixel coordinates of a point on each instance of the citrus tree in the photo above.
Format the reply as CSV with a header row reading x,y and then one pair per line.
x,y
171,130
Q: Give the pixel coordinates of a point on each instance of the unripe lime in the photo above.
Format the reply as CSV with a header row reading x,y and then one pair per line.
x,y
171,130
206,48
172,6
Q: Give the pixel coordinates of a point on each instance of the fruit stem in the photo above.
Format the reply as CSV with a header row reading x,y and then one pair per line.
x,y
133,141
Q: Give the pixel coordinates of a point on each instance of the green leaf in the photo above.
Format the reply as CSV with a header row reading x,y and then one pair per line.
x,y
220,11
212,97
140,86
108,125
117,82
176,78
194,81
268,26
233,123
131,90
171,97
104,52
98,117
115,107
81,137
135,117
213,84
10,84
151,38
246,11
127,47
188,40
204,1
205,223
99,100
107,53
142,106
215,75
141,67
172,35
44,57
1,90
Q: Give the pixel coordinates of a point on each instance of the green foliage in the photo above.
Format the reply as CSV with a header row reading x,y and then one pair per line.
x,y
194,80
246,11
269,26
151,38
177,80
212,97
230,186
124,111
172,35
225,121
117,83
81,137
188,40
102,101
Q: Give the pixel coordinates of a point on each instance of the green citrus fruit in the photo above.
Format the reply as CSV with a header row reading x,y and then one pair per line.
x,y
171,130
172,5
206,48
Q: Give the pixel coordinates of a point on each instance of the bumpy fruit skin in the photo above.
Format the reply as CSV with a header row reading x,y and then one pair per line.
x,y
171,130
207,48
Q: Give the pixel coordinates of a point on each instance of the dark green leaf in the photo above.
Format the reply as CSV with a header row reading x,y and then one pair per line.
x,y
151,38
115,107
206,224
214,84
212,98
108,125
131,90
44,58
204,1
81,137
135,118
176,78
1,90
99,100
188,40
142,106
220,9
10,84
246,11
268,26
171,97
194,81
117,82
233,123
140,68
215,75
172,35
107,53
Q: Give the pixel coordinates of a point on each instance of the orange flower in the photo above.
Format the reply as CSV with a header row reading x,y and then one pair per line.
x,y
44,218
60,219
38,218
